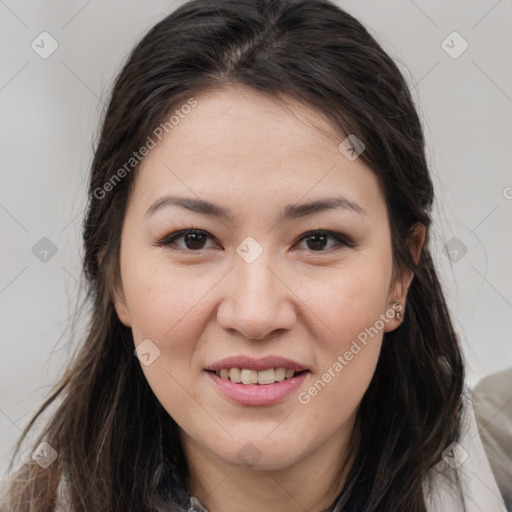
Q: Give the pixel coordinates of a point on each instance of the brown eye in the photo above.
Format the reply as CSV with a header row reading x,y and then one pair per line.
x,y
317,240
193,240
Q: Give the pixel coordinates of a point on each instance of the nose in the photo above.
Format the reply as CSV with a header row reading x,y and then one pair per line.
x,y
257,301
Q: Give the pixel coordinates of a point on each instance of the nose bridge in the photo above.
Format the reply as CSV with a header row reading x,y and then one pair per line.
x,y
256,302
255,280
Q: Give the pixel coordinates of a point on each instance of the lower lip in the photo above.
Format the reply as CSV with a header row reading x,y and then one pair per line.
x,y
258,394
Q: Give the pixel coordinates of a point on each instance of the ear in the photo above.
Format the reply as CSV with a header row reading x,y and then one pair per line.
x,y
121,306
116,290
400,286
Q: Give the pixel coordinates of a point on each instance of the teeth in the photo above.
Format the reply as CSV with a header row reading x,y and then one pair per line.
x,y
266,376
245,376
235,375
279,374
249,376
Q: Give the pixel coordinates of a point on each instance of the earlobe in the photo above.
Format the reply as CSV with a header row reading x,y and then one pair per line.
x,y
397,300
121,307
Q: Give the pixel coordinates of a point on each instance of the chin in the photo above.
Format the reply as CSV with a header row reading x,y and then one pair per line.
x,y
260,453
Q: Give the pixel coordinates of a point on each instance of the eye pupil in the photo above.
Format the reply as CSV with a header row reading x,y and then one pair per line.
x,y
196,239
321,245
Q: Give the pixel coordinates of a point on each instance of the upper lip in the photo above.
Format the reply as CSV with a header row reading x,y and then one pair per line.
x,y
251,363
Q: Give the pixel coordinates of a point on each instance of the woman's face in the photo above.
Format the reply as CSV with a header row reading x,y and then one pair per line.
x,y
250,293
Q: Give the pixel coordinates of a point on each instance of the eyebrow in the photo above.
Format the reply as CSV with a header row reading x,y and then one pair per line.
x,y
291,211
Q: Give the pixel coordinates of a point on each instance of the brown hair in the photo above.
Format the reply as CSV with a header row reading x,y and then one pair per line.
x,y
312,51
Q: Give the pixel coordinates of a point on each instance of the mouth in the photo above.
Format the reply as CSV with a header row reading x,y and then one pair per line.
x,y
264,381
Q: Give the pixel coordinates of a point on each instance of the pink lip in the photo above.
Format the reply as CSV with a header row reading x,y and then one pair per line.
x,y
251,363
257,394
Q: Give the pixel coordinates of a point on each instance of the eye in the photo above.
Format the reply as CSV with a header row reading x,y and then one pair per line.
x,y
194,240
317,240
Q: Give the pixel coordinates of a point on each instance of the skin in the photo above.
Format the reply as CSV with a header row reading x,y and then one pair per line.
x,y
254,155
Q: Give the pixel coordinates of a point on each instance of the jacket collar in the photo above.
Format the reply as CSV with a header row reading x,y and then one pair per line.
x,y
196,506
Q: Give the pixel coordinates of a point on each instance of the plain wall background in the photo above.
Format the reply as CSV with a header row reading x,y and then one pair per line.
x,y
49,118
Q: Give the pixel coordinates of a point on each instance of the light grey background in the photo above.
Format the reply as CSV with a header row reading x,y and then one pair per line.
x,y
49,118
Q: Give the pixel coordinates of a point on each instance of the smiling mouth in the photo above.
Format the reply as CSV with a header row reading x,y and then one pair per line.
x,y
262,377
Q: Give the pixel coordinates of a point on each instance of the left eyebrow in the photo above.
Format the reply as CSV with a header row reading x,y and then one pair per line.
x,y
291,211
295,211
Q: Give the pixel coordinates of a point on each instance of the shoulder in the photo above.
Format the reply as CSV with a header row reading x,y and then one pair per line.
x,y
492,401
463,480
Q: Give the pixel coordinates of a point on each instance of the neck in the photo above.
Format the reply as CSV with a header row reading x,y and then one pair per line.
x,y
312,483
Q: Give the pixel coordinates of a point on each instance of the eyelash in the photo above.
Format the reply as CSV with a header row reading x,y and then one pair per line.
x,y
168,240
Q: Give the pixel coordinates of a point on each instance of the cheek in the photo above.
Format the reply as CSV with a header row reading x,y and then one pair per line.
x,y
167,306
347,345
350,302
164,300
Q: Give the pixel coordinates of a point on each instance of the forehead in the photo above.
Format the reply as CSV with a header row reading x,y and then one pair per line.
x,y
239,141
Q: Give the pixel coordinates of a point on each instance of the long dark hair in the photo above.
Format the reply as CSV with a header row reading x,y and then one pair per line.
x,y
312,51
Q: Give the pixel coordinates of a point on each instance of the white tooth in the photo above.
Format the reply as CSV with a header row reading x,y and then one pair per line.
x,y
266,376
279,374
235,375
249,376
224,373
289,373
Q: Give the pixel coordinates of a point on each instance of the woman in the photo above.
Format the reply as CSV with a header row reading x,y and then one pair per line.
x,y
268,328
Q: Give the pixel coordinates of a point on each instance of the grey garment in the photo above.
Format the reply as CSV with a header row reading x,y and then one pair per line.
x,y
196,506
463,481
476,489
492,401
